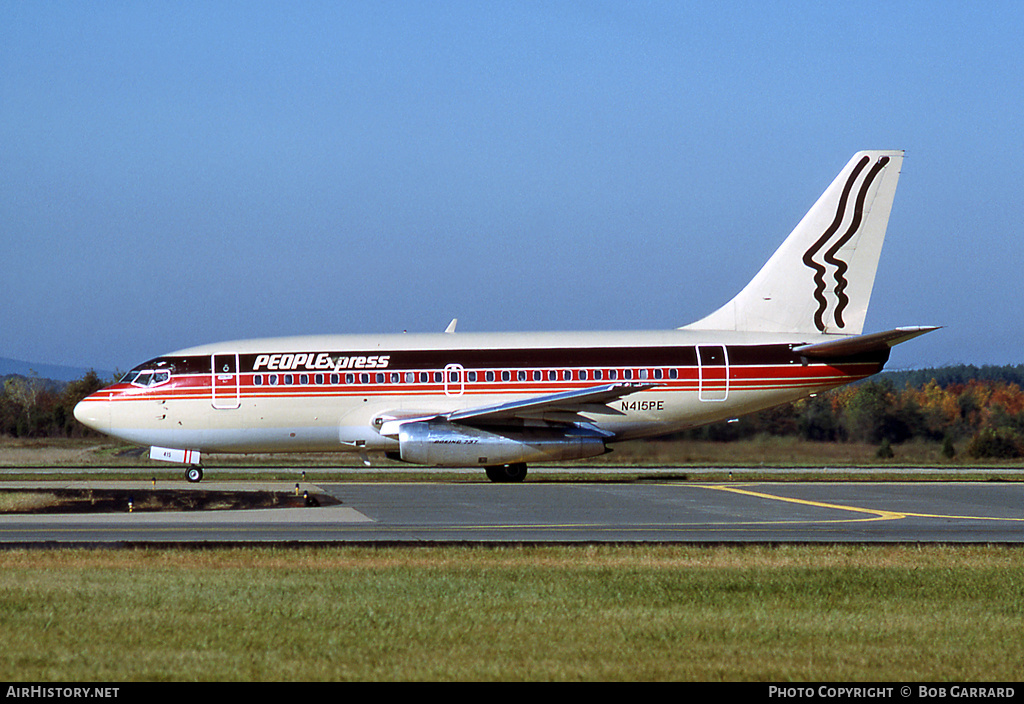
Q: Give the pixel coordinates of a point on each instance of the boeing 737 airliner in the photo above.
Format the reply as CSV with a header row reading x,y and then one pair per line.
x,y
501,401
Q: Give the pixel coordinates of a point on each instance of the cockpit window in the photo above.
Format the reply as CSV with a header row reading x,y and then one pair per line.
x,y
151,373
147,377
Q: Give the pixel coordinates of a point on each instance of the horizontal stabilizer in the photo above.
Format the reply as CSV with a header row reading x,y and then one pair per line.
x,y
862,344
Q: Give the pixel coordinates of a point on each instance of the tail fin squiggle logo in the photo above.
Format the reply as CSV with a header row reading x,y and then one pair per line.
x,y
840,266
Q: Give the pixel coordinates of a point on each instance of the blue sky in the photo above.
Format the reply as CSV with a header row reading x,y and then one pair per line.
x,y
178,173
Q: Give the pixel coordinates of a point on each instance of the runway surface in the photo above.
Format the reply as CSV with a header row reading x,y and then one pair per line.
x,y
653,511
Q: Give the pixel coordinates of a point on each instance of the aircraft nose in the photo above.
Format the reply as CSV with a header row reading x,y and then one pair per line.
x,y
93,413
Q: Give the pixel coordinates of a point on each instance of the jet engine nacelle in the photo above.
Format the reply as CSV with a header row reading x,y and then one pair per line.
x,y
441,443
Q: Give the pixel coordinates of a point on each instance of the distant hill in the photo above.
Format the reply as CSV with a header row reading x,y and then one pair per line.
x,y
46,371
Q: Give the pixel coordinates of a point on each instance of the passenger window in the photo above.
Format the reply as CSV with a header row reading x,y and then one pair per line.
x,y
673,373
521,375
410,377
318,379
536,375
506,375
612,374
583,374
471,376
488,375
597,375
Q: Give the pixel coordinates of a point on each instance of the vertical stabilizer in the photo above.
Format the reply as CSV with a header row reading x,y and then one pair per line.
x,y
820,279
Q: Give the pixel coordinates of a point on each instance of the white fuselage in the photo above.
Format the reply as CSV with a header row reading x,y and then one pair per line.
x,y
335,393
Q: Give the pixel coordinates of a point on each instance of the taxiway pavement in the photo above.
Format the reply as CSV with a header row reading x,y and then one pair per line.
x,y
651,511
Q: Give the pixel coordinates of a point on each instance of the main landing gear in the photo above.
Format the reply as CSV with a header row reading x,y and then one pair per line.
x,y
194,474
507,472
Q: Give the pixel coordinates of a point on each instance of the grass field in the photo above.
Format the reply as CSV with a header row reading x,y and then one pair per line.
x,y
623,613
842,613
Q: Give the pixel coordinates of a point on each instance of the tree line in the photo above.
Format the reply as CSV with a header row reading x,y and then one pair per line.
x,y
978,409
32,407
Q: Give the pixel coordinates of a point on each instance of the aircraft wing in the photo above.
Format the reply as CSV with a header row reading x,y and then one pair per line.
x,y
564,407
592,400
862,344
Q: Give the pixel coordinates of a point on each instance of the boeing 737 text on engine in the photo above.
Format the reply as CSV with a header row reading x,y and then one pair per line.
x,y
500,401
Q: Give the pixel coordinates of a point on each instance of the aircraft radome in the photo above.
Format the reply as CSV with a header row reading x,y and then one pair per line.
x,y
500,401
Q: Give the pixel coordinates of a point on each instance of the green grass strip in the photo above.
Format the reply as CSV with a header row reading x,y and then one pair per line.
x,y
843,613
